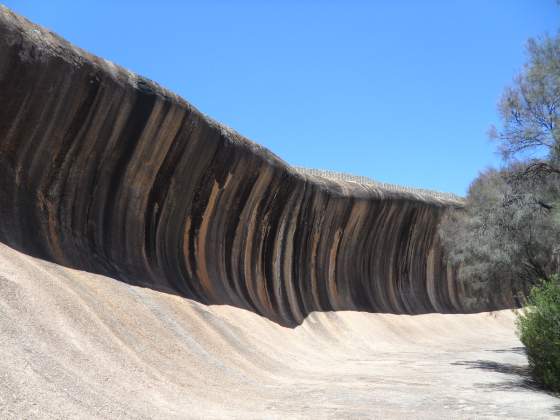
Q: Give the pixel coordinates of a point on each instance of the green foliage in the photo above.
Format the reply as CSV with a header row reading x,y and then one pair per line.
x,y
509,231
538,327
506,235
530,108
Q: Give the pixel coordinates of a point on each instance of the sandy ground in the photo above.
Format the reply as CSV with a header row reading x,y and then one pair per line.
x,y
73,344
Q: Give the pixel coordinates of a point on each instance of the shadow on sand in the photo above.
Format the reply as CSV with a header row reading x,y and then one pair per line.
x,y
518,375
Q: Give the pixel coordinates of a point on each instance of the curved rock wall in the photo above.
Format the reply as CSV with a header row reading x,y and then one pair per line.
x,y
105,171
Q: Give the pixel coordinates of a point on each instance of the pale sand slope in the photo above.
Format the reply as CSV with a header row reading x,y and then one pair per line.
x,y
73,344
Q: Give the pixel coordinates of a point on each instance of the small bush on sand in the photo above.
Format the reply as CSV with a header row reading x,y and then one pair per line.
x,y
538,327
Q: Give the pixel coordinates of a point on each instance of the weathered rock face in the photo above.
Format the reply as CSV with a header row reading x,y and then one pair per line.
x,y
105,171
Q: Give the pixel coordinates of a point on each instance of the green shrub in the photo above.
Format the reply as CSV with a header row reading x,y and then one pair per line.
x,y
538,327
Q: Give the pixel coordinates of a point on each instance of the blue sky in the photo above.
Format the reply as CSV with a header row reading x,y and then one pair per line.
x,y
400,91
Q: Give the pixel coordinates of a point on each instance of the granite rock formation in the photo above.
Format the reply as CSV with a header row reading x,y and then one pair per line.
x,y
76,345
108,172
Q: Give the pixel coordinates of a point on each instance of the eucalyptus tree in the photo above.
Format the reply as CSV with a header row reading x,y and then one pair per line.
x,y
509,229
530,109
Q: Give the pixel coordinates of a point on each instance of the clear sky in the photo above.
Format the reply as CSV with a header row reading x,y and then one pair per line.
x,y
400,91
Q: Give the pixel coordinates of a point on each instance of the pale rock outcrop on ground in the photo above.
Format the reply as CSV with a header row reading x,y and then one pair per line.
x,y
79,345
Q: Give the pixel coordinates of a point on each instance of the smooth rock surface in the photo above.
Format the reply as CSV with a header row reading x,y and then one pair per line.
x,y
79,345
